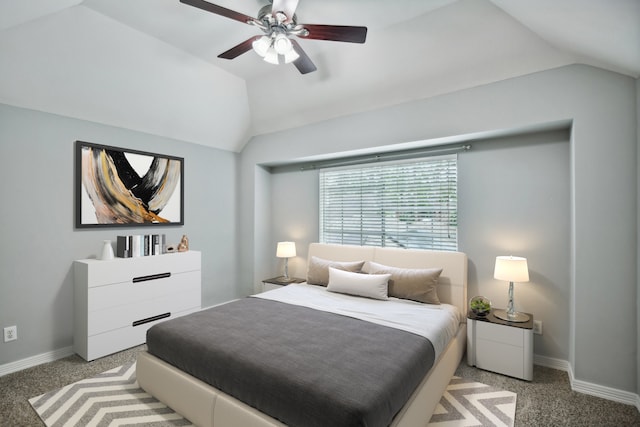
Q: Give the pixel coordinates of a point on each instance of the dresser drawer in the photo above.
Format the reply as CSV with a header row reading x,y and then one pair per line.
x,y
498,357
500,334
104,297
124,270
100,345
126,313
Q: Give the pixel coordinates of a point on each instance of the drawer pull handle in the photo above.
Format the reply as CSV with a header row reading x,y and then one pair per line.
x,y
151,277
151,319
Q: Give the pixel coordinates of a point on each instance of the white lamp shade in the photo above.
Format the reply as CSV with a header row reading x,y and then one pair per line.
x,y
286,250
291,56
511,269
272,56
282,44
261,45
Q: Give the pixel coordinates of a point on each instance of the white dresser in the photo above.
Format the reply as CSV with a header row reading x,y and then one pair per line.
x,y
117,300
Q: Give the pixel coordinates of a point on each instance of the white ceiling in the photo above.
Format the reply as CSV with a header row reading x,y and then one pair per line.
x,y
151,65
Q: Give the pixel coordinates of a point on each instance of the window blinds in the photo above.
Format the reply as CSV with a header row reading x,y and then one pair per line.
x,y
405,204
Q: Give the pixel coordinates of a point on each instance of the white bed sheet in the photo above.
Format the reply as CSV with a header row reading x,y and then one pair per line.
x,y
438,323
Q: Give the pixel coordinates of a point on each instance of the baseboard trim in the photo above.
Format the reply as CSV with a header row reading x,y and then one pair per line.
x,y
550,362
585,387
36,360
609,393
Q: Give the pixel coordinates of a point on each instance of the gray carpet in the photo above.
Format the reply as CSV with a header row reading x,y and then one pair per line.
x,y
546,401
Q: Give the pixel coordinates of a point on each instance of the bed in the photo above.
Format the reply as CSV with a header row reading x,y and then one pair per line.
x,y
309,329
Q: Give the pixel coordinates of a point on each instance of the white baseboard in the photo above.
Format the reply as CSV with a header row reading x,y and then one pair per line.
x,y
36,360
550,362
605,392
585,387
580,386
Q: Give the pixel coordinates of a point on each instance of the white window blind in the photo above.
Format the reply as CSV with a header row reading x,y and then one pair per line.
x,y
409,204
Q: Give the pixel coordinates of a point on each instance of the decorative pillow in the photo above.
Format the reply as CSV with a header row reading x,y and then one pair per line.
x,y
416,284
363,285
318,269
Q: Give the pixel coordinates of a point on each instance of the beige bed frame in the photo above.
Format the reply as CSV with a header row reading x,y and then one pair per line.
x,y
204,405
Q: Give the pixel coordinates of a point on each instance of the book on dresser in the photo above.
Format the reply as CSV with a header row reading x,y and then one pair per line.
x,y
136,245
116,301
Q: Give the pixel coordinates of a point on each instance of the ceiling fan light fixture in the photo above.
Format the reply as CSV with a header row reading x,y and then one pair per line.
x,y
262,45
271,56
282,44
278,22
291,56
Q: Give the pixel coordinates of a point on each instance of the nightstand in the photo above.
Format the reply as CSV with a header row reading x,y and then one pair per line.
x,y
499,346
276,282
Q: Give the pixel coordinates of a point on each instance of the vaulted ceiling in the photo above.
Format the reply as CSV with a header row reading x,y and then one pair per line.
x,y
152,66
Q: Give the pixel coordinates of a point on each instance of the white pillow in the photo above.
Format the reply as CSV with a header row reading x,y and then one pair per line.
x,y
364,285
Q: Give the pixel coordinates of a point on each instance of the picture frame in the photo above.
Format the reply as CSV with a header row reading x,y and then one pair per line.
x,y
120,187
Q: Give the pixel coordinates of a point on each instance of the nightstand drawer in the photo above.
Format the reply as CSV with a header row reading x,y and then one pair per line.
x,y
502,358
500,334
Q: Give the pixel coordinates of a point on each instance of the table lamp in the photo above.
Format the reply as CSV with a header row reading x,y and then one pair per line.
x,y
286,250
511,269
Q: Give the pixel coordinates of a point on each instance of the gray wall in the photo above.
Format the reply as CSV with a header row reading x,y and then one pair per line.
x,y
600,108
37,211
514,200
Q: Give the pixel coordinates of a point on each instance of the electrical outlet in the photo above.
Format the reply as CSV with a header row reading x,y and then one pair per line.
x,y
10,333
537,327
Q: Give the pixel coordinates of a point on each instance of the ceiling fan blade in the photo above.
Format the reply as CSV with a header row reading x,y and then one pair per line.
x,y
219,10
238,50
286,6
303,63
338,33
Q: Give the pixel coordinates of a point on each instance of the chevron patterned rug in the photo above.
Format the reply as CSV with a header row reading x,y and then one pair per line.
x,y
114,398
468,403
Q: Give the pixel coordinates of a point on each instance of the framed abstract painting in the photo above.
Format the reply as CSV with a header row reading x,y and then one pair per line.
x,y
122,187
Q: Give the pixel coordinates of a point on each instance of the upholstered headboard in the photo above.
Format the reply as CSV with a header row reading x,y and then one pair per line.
x,y
452,284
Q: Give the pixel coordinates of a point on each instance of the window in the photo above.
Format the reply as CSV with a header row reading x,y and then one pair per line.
x,y
405,204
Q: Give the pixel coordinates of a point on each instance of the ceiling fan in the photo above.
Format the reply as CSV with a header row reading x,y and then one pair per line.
x,y
278,22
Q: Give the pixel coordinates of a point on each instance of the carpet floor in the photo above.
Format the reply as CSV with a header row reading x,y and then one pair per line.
x,y
546,401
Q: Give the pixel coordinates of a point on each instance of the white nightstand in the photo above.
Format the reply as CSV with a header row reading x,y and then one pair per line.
x,y
500,346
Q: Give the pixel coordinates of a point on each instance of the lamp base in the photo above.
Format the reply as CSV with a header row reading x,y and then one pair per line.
x,y
516,317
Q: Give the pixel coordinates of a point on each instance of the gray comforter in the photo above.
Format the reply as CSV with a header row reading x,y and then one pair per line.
x,y
301,366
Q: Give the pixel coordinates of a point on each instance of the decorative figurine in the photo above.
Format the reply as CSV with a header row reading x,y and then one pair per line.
x,y
183,246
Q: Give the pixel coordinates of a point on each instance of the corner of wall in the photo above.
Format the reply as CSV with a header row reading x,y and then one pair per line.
x,y
638,242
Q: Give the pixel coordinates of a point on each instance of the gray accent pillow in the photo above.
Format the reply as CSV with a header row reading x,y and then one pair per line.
x,y
318,269
416,284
